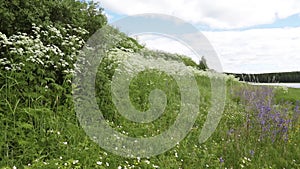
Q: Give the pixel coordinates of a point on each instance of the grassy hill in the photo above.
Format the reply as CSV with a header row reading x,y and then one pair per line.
x,y
39,127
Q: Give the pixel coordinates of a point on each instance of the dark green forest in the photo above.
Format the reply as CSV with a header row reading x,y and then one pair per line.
x,y
283,77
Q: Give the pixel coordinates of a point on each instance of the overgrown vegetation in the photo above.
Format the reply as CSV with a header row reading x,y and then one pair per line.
x,y
39,127
18,15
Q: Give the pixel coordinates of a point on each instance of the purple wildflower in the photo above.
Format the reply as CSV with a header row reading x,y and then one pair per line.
x,y
273,122
221,160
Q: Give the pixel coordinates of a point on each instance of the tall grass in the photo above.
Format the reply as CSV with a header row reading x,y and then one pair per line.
x,y
39,127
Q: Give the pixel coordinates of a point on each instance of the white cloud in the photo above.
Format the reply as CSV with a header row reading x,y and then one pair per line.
x,y
258,50
250,51
214,13
164,43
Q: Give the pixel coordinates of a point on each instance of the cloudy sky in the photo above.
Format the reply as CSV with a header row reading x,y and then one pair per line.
x,y
254,36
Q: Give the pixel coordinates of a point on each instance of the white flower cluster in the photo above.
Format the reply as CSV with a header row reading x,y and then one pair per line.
x,y
48,47
284,89
133,62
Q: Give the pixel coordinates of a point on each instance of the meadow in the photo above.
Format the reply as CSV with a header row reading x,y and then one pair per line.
x,y
40,127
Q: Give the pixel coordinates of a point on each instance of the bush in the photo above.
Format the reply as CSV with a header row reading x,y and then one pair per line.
x,y
18,15
40,62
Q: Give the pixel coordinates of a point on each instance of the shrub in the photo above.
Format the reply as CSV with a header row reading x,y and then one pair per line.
x,y
41,62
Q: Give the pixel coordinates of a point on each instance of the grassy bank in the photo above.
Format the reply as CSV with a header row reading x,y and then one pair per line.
x,y
40,129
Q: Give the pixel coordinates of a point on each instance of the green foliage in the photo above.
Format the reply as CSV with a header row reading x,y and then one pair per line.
x,y
39,63
39,126
188,61
129,44
202,64
18,15
168,56
287,94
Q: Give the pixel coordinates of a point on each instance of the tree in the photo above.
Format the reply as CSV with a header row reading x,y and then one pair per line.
x,y
202,64
19,15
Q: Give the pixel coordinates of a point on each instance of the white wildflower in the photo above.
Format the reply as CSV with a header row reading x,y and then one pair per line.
x,y
155,166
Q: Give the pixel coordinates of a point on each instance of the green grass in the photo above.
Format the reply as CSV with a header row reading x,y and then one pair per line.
x,y
39,127
292,95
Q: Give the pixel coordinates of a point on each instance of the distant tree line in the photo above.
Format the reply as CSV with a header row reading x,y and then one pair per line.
x,y
283,77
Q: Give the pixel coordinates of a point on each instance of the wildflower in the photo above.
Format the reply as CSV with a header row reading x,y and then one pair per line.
x,y
248,159
155,166
244,161
99,162
221,160
252,152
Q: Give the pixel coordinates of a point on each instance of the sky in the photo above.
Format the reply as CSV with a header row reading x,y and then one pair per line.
x,y
257,36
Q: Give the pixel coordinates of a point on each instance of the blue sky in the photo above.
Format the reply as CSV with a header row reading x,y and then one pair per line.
x,y
249,36
291,21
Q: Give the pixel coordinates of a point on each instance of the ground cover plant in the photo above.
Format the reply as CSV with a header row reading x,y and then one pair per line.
x,y
39,127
